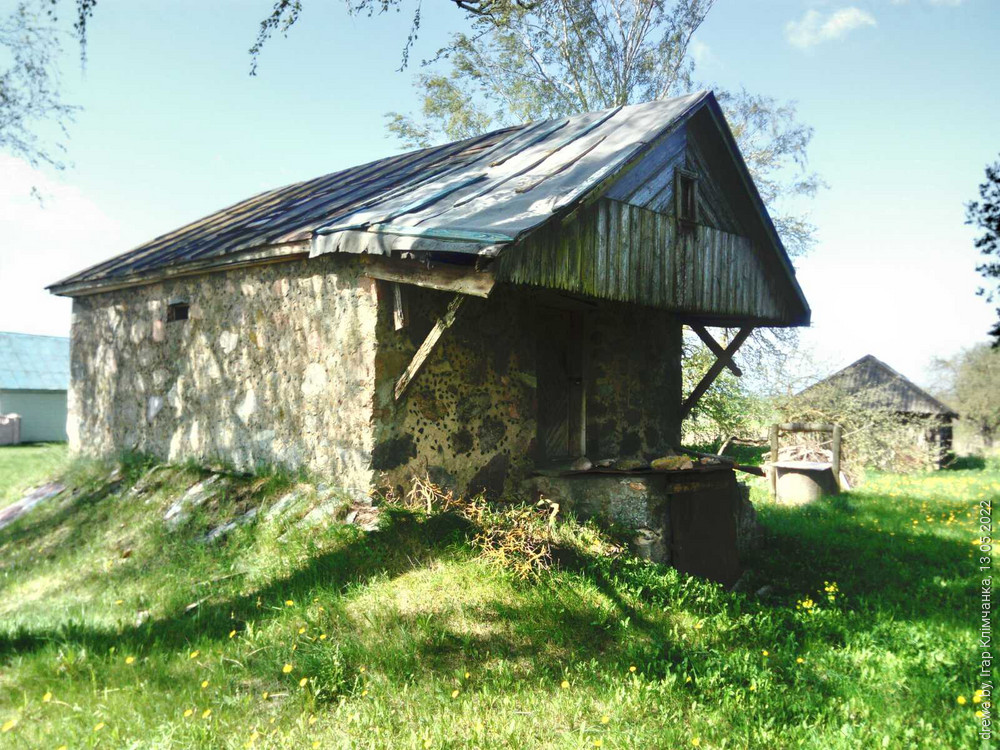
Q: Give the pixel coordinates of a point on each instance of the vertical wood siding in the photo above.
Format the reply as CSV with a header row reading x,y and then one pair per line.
x,y
618,251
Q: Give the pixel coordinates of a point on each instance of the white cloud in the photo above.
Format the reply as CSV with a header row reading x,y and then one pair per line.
x,y
702,54
42,242
815,27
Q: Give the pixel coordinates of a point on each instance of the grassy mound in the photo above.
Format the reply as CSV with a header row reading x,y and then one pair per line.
x,y
115,632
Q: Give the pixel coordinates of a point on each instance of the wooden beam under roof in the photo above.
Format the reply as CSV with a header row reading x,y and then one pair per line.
x,y
446,278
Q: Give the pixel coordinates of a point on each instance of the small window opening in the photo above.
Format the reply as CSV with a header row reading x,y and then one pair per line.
x,y
687,196
177,311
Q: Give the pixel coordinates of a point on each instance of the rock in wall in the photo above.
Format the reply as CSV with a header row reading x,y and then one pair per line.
x,y
275,364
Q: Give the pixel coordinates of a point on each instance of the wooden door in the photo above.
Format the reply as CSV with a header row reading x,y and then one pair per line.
x,y
561,392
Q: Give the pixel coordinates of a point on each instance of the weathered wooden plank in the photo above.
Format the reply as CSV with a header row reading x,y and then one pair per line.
x,y
458,279
398,307
713,371
420,356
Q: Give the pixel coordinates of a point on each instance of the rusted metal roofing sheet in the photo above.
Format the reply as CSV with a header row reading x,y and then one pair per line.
x,y
472,196
489,202
881,387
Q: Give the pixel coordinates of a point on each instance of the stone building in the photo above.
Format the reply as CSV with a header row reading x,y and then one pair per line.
x,y
473,311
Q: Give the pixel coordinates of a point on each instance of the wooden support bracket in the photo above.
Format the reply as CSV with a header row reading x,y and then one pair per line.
x,y
724,360
713,345
420,356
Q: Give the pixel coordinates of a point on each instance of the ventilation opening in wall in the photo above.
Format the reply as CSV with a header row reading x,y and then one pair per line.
x,y
177,311
687,197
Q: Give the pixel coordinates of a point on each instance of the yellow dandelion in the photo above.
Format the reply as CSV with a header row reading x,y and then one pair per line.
x,y
361,669
206,713
188,712
204,684
315,744
46,698
289,603
130,660
63,747
194,654
232,633
454,693
696,741
697,626
295,647
753,688
427,743
468,675
8,725
312,720
800,660
287,668
598,742
99,726
605,719
322,636
565,684
364,693
765,652
264,696
303,682
302,630
961,700
632,668
979,714
119,602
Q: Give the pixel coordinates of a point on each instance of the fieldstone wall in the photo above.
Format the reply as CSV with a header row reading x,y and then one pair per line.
x,y
469,418
275,364
634,389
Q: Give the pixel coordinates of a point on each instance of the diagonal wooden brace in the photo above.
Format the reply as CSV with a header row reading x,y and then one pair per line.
x,y
724,360
420,356
713,345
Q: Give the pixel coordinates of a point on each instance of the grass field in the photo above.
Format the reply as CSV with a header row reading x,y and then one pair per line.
x,y
863,634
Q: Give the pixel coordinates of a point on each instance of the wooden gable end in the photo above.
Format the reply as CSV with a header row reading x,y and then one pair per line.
x,y
628,245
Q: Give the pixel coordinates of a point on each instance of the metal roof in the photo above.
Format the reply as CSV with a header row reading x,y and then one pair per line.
x,y
33,363
469,197
881,387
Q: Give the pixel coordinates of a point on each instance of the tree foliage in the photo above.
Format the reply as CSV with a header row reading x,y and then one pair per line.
x,y
984,214
29,84
972,385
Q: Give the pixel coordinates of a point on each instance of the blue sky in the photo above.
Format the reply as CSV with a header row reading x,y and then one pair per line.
x,y
902,95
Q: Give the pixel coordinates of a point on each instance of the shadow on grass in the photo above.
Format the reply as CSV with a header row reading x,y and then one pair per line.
x,y
920,577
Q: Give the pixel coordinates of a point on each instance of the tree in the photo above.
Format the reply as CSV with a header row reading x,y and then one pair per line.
x,y
985,215
286,13
29,85
972,384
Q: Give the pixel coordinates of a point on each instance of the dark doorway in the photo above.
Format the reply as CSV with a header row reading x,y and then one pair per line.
x,y
562,415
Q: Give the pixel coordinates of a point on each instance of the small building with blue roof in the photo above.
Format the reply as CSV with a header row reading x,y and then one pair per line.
x,y
34,377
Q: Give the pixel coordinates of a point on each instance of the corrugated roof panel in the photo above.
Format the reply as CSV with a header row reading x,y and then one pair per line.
x,y
36,363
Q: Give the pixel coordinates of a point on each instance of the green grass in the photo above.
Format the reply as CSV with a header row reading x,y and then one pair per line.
x,y
407,640
23,466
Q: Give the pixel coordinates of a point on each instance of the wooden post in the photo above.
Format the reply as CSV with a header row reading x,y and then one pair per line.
x,y
398,306
838,434
773,476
